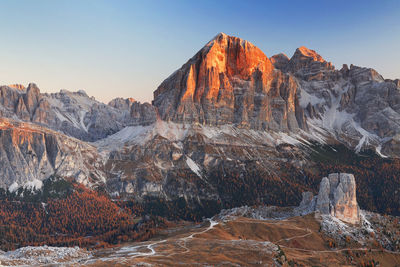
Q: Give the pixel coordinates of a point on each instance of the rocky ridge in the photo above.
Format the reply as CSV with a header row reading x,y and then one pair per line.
x,y
72,113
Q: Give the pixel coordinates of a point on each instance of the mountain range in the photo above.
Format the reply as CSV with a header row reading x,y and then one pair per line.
x,y
230,127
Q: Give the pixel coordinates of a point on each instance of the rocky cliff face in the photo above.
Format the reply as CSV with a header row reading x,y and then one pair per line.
x,y
336,197
29,154
230,81
354,105
280,60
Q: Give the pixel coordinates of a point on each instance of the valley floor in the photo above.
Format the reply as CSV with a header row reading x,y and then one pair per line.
x,y
239,241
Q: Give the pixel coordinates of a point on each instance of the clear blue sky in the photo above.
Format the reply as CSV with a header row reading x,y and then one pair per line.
x,y
127,48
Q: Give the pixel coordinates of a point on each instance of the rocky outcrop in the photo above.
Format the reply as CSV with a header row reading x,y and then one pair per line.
x,y
230,81
137,113
280,60
143,114
17,86
32,97
122,103
29,154
308,60
336,197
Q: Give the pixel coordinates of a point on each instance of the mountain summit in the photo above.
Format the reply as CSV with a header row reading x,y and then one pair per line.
x,y
309,53
230,81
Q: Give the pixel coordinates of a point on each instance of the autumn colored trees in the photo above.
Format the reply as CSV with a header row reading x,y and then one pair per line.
x,y
83,218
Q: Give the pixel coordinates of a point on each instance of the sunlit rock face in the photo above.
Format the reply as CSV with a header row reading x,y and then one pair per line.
x,y
309,65
230,81
306,58
337,197
17,86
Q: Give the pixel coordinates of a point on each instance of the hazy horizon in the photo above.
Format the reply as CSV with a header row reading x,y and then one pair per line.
x,y
127,48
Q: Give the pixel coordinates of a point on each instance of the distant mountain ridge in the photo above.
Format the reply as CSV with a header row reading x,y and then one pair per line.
x,y
73,113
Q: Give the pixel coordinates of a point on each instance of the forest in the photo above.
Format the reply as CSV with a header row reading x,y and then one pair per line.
x,y
84,217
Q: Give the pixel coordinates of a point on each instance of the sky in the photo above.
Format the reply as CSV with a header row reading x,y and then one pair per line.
x,y
127,48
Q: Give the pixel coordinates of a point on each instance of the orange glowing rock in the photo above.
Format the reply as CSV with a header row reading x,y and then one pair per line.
x,y
310,53
229,81
17,86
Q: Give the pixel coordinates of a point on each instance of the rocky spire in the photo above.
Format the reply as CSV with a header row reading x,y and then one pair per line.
x,y
32,97
336,197
307,59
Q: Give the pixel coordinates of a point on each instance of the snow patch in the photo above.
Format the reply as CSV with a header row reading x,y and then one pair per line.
x,y
285,138
306,98
33,185
193,166
82,114
378,150
13,187
134,134
366,137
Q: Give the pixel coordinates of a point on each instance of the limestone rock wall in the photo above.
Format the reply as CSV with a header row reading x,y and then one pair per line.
x,y
231,81
336,197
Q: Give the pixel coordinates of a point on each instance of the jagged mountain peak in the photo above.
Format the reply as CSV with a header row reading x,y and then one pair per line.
x,y
119,99
279,60
304,51
32,86
232,55
280,55
224,39
306,61
228,81
219,36
122,103
17,86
